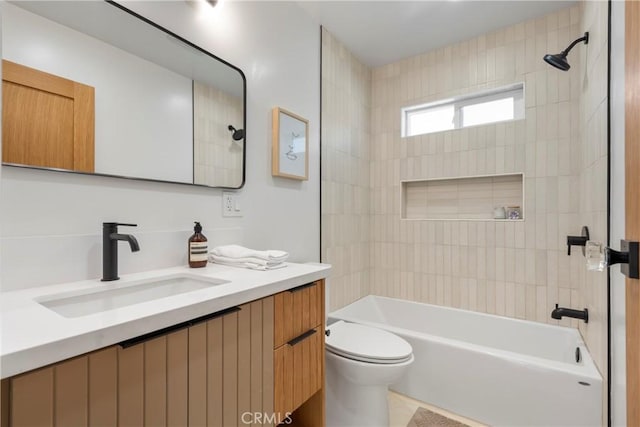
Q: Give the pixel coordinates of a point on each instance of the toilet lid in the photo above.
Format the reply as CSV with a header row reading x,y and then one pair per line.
x,y
367,344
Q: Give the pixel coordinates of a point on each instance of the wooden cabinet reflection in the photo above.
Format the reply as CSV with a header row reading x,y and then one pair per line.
x,y
47,121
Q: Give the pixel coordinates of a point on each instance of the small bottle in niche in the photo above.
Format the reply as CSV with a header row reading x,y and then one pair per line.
x,y
513,212
198,248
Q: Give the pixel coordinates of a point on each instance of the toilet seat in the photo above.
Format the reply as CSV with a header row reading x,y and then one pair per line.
x,y
366,344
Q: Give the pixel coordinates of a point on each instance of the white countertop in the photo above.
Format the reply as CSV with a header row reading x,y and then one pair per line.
x,y
33,335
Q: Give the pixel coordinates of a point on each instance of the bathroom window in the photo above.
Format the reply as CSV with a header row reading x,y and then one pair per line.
x,y
496,105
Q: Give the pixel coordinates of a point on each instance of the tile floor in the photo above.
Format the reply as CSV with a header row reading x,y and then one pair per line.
x,y
402,408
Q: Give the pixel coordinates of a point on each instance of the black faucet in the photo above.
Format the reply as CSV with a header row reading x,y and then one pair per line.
x,y
560,312
110,237
578,240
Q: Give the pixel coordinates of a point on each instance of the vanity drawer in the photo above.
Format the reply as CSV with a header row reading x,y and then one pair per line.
x,y
296,311
298,370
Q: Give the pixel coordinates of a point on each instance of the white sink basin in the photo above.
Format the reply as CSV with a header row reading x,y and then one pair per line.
x,y
115,295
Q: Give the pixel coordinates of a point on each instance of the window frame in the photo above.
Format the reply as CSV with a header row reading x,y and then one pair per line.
x,y
515,90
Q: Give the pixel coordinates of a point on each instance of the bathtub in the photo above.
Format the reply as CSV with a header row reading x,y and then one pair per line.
x,y
496,370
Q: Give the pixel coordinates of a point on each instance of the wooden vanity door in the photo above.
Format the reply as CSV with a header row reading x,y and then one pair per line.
x,y
142,385
47,121
299,355
230,367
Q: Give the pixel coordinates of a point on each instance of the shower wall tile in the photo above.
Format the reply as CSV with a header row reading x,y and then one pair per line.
x,y
346,176
518,269
217,158
590,290
505,268
514,269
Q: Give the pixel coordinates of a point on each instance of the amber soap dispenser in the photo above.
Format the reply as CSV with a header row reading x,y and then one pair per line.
x,y
198,248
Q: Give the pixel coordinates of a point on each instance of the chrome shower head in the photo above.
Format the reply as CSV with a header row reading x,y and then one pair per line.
x,y
559,60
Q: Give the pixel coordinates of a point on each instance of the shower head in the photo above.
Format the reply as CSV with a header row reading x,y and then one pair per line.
x,y
238,134
559,60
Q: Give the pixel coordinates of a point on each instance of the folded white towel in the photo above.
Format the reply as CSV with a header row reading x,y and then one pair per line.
x,y
250,265
237,251
265,267
252,260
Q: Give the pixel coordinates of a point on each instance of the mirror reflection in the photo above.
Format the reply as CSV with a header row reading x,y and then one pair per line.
x,y
91,87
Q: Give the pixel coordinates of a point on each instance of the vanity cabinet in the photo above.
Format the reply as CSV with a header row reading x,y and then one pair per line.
x,y
299,354
205,374
242,366
109,387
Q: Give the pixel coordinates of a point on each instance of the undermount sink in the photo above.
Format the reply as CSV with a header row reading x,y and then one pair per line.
x,y
111,296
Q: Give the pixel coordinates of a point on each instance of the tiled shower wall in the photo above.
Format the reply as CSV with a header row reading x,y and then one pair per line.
x,y
346,189
515,269
593,175
217,157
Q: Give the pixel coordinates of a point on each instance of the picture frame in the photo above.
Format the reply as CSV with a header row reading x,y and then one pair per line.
x,y
290,154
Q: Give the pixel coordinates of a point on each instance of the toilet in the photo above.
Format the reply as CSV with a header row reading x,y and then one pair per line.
x,y
361,363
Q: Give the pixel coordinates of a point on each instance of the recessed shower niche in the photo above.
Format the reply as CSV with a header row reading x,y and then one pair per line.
x,y
465,198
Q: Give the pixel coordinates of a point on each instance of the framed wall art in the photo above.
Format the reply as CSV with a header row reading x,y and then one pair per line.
x,y
290,155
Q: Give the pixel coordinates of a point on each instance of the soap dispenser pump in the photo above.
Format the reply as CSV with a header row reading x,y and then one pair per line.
x,y
198,248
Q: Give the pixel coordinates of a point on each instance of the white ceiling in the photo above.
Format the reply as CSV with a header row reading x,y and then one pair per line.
x,y
381,32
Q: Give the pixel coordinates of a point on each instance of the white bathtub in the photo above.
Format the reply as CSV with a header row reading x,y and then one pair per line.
x,y
496,370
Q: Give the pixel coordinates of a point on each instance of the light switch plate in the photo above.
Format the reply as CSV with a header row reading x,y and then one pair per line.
x,y
230,204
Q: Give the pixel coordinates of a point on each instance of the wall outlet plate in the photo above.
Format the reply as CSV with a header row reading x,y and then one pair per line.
x,y
230,204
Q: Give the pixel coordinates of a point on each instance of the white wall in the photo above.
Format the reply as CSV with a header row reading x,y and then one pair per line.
x,y
143,111
51,222
617,219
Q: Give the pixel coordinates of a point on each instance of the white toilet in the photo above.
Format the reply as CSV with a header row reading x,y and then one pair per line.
x,y
361,362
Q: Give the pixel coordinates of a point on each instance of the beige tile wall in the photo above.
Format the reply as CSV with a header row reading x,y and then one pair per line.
x,y
462,198
346,189
593,171
515,269
217,157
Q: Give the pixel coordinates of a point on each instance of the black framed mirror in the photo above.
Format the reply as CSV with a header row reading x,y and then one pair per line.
x,y
94,88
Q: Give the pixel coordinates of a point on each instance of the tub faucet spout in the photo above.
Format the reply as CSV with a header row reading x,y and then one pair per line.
x,y
560,312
